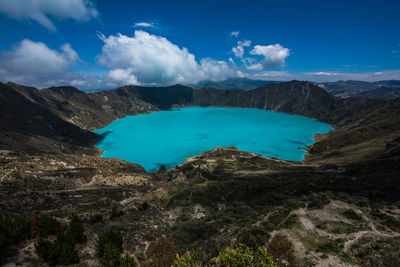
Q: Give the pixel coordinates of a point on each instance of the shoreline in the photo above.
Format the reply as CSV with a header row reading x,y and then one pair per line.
x,y
176,107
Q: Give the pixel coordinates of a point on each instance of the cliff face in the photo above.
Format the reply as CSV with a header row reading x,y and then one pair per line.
x,y
295,97
301,98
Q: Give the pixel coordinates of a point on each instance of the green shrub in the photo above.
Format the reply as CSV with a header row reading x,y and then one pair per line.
x,y
188,260
48,226
61,251
12,231
109,248
76,230
254,237
58,252
127,261
319,200
111,255
352,215
244,256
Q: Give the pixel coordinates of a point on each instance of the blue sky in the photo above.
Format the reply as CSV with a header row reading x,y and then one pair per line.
x,y
101,44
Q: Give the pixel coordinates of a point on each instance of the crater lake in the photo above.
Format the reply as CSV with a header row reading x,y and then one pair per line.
x,y
169,137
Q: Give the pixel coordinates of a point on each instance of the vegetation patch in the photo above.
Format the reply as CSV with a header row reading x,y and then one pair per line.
x,y
109,249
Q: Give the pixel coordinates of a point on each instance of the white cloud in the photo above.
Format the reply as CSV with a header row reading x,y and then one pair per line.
x,y
33,63
147,59
144,24
122,76
235,33
239,50
36,58
40,10
211,69
274,56
256,66
153,59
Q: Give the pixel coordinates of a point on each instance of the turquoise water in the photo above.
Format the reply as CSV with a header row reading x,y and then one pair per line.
x,y
169,137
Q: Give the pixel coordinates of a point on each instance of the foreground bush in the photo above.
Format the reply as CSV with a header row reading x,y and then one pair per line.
x,y
109,249
188,260
244,256
60,251
47,226
12,231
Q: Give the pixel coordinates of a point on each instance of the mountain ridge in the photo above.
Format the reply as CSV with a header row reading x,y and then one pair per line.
x,y
220,197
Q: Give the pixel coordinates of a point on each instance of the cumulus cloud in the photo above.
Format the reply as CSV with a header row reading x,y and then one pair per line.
x,y
144,24
151,59
40,10
36,58
122,76
34,63
239,50
274,56
211,69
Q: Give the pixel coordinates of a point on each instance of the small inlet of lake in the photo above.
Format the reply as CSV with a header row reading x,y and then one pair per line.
x,y
169,137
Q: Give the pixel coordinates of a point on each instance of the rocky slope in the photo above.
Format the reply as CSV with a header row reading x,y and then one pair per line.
x,y
383,89
27,124
337,208
295,97
380,93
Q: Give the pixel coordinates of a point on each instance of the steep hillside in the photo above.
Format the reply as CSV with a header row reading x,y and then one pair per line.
x,y
368,135
27,123
86,110
295,97
291,97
